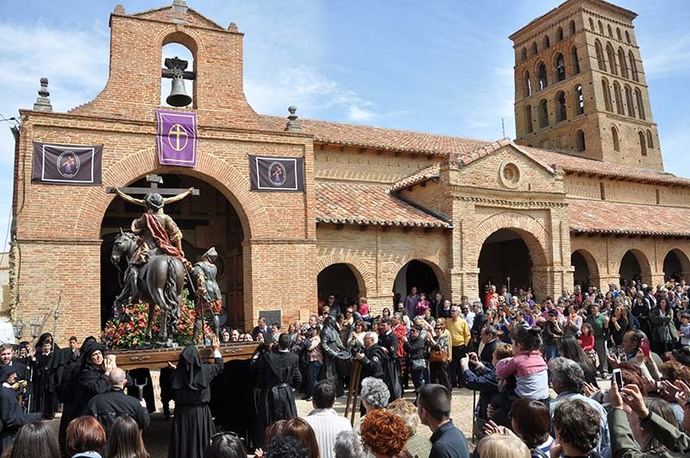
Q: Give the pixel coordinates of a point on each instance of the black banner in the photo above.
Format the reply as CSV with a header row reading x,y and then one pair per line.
x,y
276,173
66,164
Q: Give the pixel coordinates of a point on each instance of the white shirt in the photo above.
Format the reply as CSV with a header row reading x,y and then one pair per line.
x,y
326,424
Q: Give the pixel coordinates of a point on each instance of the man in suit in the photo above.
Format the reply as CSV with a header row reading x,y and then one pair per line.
x,y
488,342
262,328
7,360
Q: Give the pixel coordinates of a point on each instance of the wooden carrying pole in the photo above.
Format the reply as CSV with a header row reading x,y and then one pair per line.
x,y
353,390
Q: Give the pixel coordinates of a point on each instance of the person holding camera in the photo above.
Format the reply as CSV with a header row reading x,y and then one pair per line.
x,y
415,346
440,354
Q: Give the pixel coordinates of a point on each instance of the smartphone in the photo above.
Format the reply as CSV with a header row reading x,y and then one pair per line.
x,y
618,378
644,346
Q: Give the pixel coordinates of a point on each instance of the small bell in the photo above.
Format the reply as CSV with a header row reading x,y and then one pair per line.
x,y
178,95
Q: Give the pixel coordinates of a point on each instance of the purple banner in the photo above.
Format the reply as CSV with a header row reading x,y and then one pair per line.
x,y
177,138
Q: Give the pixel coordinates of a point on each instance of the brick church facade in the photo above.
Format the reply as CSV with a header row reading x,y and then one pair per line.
x,y
569,201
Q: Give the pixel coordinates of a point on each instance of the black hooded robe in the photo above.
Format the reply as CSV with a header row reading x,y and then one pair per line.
x,y
192,426
274,400
44,386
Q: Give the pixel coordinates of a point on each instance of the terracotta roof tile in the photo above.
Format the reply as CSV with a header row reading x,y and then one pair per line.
x,y
420,176
601,217
481,151
368,204
575,164
378,138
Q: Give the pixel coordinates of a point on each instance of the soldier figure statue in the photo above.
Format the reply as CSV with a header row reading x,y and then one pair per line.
x,y
158,234
207,291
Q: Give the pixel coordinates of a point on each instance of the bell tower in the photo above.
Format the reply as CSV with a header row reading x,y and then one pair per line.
x,y
580,86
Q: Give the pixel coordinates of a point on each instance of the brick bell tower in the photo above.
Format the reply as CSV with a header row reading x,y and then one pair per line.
x,y
580,86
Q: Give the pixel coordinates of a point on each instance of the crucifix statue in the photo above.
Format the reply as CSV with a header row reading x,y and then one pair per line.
x,y
153,201
155,240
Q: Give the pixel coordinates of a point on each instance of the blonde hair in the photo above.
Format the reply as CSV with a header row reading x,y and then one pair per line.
x,y
502,446
407,411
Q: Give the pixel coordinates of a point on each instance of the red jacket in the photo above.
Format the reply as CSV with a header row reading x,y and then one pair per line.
x,y
587,342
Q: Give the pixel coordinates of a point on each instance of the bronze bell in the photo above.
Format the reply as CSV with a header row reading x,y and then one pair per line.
x,y
178,95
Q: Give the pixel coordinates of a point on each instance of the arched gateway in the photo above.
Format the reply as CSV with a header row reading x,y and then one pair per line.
x,y
208,220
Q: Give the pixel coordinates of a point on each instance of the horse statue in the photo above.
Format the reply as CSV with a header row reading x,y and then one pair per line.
x,y
158,282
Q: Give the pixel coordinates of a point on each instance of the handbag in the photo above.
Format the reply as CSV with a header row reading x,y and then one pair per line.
x,y
438,356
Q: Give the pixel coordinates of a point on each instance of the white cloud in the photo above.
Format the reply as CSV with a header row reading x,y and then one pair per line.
x,y
358,114
76,64
310,91
670,59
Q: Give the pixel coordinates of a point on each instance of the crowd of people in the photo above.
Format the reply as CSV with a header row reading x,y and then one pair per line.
x,y
536,366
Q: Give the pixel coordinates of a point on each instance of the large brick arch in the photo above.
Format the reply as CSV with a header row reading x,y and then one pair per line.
x,y
682,257
366,280
532,232
226,178
642,258
440,274
592,265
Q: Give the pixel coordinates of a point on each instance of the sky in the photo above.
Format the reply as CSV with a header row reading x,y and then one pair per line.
x,y
441,66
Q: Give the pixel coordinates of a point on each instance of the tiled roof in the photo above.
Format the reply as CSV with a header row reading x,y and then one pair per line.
x,y
420,176
368,204
378,138
601,217
575,164
481,151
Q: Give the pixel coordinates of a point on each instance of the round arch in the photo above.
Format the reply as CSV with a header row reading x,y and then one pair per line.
x,y
514,229
425,275
366,281
342,280
227,179
676,265
634,265
586,270
208,222
529,229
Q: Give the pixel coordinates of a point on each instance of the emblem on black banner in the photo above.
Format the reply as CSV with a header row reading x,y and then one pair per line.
x,y
68,164
276,173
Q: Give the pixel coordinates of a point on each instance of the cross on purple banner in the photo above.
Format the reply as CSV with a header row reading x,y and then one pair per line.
x,y
177,138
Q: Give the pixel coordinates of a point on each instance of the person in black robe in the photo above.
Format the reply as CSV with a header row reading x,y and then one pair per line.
x,y
66,390
44,395
11,413
165,381
142,376
192,426
279,372
388,340
372,360
235,400
331,347
93,376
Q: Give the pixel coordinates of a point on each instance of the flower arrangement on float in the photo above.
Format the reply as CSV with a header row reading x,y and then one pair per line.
x,y
128,330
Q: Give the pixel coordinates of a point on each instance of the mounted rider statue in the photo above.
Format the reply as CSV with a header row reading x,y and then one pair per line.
x,y
158,234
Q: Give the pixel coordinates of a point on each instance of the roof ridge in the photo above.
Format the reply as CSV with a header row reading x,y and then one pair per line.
x,y
369,126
